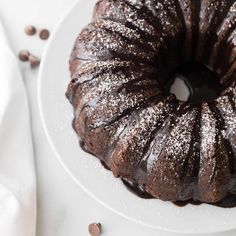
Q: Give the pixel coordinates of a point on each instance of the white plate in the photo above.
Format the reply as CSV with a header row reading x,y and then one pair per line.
x,y
87,172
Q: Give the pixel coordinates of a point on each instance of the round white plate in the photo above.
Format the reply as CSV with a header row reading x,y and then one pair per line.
x,y
56,113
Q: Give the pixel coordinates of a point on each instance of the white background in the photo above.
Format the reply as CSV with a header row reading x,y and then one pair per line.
x,y
63,209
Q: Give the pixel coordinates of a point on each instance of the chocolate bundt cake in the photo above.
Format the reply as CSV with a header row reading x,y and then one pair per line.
x,y
122,67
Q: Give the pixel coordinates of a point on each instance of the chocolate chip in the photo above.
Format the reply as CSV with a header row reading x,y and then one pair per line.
x,y
94,229
44,34
24,55
30,30
34,61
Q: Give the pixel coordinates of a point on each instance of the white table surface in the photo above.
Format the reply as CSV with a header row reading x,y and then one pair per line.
x,y
63,208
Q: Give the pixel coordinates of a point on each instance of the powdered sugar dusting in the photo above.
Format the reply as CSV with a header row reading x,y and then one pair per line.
x,y
149,137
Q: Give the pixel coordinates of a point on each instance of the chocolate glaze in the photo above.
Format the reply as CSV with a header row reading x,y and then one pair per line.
x,y
83,147
227,202
136,189
105,165
119,66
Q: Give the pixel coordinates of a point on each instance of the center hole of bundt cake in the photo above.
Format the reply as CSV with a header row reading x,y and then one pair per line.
x,y
194,82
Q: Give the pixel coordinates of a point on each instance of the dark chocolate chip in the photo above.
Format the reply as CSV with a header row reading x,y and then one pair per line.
x,y
24,55
34,61
44,34
94,229
30,30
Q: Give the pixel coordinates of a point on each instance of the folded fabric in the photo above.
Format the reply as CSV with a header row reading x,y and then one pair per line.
x,y
17,175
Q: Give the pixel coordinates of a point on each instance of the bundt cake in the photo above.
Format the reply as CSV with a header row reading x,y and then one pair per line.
x,y
122,66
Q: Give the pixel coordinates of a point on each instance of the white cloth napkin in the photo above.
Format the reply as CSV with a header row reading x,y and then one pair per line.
x,y
17,175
